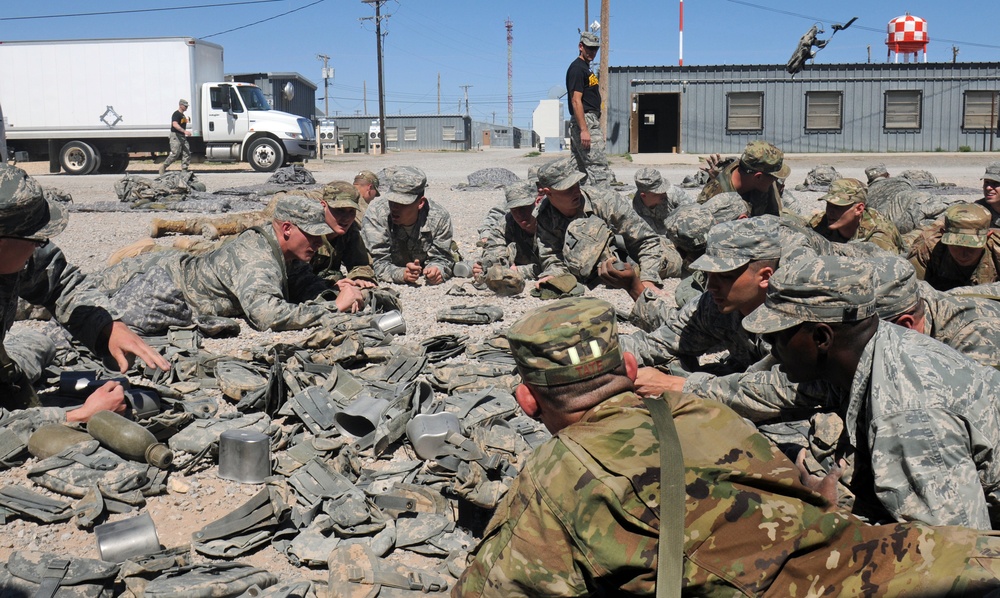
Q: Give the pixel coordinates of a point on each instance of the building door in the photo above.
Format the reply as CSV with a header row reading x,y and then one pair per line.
x,y
486,137
656,123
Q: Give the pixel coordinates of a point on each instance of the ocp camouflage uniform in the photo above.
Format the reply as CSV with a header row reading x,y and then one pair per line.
x,y
643,245
583,519
392,247
994,216
504,241
768,202
873,228
965,225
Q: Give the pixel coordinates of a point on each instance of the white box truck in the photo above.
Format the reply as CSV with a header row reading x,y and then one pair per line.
x,y
87,104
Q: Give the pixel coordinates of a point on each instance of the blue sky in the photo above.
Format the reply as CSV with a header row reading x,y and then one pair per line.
x,y
465,42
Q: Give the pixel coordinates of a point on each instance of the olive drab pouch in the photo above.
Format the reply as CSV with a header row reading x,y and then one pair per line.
x,y
504,281
355,572
557,287
18,499
47,575
248,527
203,433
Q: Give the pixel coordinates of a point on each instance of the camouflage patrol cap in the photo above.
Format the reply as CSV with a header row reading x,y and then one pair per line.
x,y
24,212
307,214
827,288
896,289
533,175
875,172
589,39
560,174
341,194
731,245
846,192
761,156
369,177
687,226
649,180
727,206
504,281
966,225
569,340
519,195
992,172
183,103
407,185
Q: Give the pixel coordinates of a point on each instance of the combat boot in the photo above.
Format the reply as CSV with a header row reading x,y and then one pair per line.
x,y
159,227
138,248
163,169
223,227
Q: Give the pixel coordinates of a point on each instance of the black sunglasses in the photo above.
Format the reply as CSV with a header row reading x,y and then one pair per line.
x,y
37,242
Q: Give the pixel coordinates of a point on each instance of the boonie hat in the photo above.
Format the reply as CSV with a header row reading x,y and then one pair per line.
x,y
566,341
341,194
407,185
589,39
829,289
307,214
731,245
966,225
183,103
992,172
846,192
875,172
519,195
24,212
896,288
560,174
761,156
369,177
649,180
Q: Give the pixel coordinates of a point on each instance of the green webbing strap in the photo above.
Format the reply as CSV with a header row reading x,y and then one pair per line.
x,y
670,552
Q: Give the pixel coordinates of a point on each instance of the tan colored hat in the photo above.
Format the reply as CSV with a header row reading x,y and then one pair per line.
x,y
589,39
992,172
966,225
183,103
846,192
341,194
761,156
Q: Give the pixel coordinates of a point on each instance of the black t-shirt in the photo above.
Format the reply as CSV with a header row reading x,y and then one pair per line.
x,y
580,78
179,118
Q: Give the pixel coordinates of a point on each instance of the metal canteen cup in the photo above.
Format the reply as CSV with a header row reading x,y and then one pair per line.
x,y
145,403
428,433
244,456
462,270
362,416
391,322
126,539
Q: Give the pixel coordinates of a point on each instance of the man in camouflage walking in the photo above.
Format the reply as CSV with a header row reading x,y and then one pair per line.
x,y
586,136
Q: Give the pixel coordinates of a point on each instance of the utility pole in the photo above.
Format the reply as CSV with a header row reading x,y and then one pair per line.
x,y
605,47
510,72
466,88
439,92
327,73
586,14
364,94
381,83
954,54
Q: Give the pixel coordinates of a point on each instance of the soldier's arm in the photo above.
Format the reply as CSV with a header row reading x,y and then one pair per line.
x,y
438,246
642,243
376,237
549,253
764,395
355,257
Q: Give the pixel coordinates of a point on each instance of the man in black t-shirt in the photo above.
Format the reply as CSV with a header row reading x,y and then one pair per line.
x,y
179,147
586,137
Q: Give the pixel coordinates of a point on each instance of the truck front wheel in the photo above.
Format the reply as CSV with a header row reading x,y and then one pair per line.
x,y
78,157
266,155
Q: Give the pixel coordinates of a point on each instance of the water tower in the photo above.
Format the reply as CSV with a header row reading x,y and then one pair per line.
x,y
907,36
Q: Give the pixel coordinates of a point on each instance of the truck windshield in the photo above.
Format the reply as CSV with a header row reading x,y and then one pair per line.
x,y
254,98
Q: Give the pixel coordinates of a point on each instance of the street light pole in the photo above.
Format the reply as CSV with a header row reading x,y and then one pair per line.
x,y
381,83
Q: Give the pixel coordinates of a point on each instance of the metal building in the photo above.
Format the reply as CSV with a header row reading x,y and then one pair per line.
x,y
493,135
825,108
414,132
287,92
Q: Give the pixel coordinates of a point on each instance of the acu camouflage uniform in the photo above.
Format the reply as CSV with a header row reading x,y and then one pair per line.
x,y
392,247
502,238
874,227
992,174
649,180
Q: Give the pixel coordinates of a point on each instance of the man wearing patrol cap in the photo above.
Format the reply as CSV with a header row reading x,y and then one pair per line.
x,y
961,251
753,176
876,172
35,269
991,193
586,137
940,468
262,275
584,515
344,247
655,198
409,236
507,235
179,146
848,219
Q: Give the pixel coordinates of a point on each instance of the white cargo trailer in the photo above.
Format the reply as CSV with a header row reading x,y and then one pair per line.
x,y
87,104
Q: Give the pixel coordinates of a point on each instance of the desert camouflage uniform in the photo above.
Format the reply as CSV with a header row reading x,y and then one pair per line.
x,y
939,269
654,216
246,277
760,202
643,245
874,228
583,519
392,247
347,250
506,242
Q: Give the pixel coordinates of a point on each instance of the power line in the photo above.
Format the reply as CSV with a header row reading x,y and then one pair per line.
x,y
136,10
264,20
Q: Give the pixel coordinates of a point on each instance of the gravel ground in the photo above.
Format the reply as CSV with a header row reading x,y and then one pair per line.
x,y
196,500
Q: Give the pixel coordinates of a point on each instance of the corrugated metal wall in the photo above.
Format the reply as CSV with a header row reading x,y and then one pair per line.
x,y
501,136
703,91
428,130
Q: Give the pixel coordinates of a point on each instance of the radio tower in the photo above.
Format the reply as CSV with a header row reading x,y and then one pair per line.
x,y
510,74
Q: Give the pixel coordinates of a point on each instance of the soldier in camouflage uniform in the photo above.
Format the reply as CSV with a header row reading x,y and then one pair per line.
x,y
583,517
366,182
961,251
941,467
848,219
655,198
408,235
566,201
876,172
508,233
586,139
262,275
991,193
344,247
34,269
753,176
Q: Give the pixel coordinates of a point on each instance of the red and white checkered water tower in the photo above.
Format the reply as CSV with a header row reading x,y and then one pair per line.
x,y
907,36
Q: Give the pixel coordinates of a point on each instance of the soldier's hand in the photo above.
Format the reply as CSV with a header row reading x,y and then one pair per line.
x,y
610,274
124,345
110,397
433,275
413,271
825,485
360,283
651,382
477,270
712,165
350,299
542,280
585,139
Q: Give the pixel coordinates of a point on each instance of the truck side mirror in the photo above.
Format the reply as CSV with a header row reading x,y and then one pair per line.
x,y
227,100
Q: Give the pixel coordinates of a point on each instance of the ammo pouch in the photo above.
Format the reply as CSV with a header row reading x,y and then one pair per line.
x,y
23,501
473,376
79,468
474,314
208,580
504,281
47,575
588,241
248,527
355,572
557,287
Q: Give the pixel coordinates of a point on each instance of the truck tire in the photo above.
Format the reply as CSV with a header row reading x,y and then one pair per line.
x,y
78,157
266,155
114,164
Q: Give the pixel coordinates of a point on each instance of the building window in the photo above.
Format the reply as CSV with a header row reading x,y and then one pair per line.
x,y
409,133
902,109
745,111
981,109
824,110
448,132
391,134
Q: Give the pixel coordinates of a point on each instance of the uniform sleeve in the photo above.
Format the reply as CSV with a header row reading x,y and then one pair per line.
x,y
50,281
642,243
491,235
550,250
303,283
686,332
375,232
438,241
355,256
